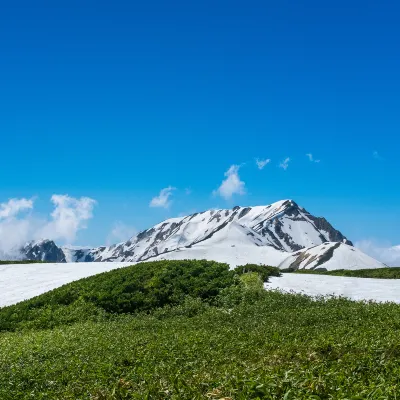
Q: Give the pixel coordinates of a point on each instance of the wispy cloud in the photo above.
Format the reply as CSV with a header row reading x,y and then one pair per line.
x,y
17,227
376,156
232,184
163,199
383,252
285,163
262,163
120,233
311,158
188,191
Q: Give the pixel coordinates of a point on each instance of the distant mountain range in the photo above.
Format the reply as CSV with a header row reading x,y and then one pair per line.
x,y
282,234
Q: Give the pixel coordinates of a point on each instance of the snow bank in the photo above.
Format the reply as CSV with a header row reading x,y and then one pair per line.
x,y
19,282
380,290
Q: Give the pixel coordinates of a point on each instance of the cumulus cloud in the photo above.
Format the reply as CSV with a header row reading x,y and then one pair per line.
x,y
232,184
285,163
162,200
311,158
262,163
120,233
383,252
17,227
69,216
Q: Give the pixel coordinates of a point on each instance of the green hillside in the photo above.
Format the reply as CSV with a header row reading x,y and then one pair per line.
x,y
194,330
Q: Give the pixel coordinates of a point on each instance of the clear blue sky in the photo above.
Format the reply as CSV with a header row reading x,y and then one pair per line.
x,y
117,100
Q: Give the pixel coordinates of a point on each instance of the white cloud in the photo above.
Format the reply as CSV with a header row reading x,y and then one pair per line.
x,y
383,252
16,227
69,216
311,158
120,233
14,207
162,200
262,163
285,163
232,184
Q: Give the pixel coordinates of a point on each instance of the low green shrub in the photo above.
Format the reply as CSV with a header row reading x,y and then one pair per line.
x,y
280,346
265,271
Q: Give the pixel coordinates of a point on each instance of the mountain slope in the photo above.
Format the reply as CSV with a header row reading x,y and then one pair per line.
x,y
330,256
283,226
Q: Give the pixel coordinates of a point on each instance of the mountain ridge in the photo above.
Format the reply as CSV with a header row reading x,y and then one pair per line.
x,y
264,234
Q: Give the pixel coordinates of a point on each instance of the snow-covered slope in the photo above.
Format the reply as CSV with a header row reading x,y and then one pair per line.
x,y
24,281
281,226
235,245
330,256
379,290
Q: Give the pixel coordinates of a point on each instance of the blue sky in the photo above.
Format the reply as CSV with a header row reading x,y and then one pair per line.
x,y
116,101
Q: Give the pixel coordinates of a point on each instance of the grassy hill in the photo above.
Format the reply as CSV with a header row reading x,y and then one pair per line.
x,y
195,330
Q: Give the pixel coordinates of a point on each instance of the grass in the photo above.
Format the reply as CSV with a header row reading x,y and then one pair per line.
x,y
379,273
243,344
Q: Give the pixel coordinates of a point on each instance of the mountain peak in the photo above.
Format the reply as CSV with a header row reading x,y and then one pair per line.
x,y
265,234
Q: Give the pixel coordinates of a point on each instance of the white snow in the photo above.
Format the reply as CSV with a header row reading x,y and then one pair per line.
x,y
19,282
343,257
379,290
235,245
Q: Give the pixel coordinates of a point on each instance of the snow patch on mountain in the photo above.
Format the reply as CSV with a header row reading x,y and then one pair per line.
x,y
330,256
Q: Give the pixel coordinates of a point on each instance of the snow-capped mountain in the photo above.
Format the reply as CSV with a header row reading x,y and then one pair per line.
x,y
282,226
43,250
262,234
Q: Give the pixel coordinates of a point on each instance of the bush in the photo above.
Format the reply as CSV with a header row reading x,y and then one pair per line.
x,y
265,271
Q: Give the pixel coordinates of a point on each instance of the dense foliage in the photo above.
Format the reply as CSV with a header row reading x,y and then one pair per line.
x,y
265,271
141,287
199,333
280,346
380,273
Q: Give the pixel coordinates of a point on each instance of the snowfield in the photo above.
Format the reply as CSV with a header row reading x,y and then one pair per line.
x,y
379,290
20,282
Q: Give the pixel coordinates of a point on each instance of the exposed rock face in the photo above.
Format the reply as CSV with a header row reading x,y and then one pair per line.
x,y
282,226
43,250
